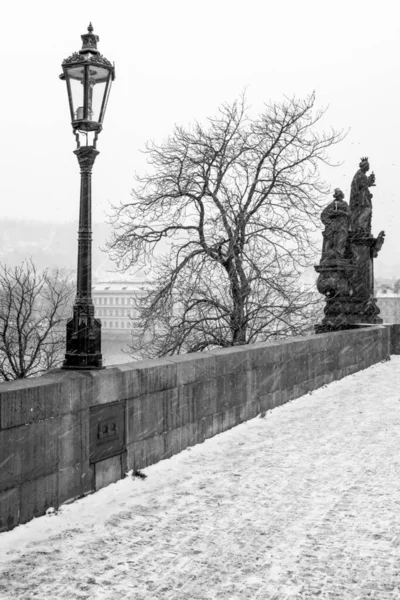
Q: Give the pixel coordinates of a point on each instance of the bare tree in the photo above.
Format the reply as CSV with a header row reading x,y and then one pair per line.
x,y
33,310
238,203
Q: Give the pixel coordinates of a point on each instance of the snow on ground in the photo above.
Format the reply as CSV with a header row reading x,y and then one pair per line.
x,y
301,504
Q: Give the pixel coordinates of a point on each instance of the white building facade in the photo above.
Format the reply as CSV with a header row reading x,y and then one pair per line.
x,y
115,303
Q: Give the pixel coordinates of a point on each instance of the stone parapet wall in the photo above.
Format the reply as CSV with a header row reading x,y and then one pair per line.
x,y
70,433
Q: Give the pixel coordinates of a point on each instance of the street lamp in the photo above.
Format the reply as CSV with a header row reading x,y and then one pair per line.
x,y
88,76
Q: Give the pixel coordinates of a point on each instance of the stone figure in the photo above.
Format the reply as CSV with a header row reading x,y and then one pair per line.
x,y
378,243
335,217
361,199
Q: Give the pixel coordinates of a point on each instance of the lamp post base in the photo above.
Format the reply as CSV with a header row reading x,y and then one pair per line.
x,y
82,361
83,340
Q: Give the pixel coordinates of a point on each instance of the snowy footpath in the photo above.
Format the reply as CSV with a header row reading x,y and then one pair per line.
x,y
301,503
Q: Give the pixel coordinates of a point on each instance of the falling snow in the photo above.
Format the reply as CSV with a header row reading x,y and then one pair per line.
x,y
301,503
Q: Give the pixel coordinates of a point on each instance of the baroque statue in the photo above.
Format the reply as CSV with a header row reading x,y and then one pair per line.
x,y
335,217
346,269
361,199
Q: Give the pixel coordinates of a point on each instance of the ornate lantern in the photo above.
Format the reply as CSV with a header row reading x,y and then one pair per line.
x,y
88,76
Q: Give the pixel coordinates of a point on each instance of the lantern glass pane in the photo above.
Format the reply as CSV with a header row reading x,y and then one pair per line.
x,y
96,94
75,77
98,77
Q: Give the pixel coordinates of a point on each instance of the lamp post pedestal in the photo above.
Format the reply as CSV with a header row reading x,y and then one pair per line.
x,y
84,330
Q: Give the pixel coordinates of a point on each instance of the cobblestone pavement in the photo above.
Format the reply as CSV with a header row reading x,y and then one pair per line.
x,y
301,504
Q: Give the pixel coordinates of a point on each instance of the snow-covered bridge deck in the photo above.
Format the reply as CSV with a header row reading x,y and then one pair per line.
x,y
303,503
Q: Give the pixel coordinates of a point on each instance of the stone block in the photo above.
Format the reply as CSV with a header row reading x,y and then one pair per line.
x,y
331,361
288,394
217,423
37,496
295,370
73,439
155,375
329,376
267,379
206,428
386,343
29,452
145,452
76,389
146,417
144,377
317,364
247,411
346,356
229,419
232,390
197,400
171,407
187,395
178,439
317,343
300,345
270,401
302,388
9,509
231,360
266,354
38,445
107,471
350,369
10,457
194,367
108,386
74,482
30,400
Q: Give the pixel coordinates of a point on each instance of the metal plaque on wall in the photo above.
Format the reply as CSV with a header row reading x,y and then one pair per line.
x,y
107,431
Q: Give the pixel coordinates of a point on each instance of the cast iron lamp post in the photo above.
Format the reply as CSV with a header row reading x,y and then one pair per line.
x,y
88,76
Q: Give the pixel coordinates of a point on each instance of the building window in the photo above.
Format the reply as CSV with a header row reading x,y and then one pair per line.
x,y
122,301
111,324
116,324
105,300
105,323
116,300
123,325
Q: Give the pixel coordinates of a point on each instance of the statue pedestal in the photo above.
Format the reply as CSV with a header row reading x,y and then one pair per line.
x,y
334,282
362,246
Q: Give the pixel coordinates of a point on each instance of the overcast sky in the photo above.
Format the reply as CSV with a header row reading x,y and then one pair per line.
x,y
177,61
